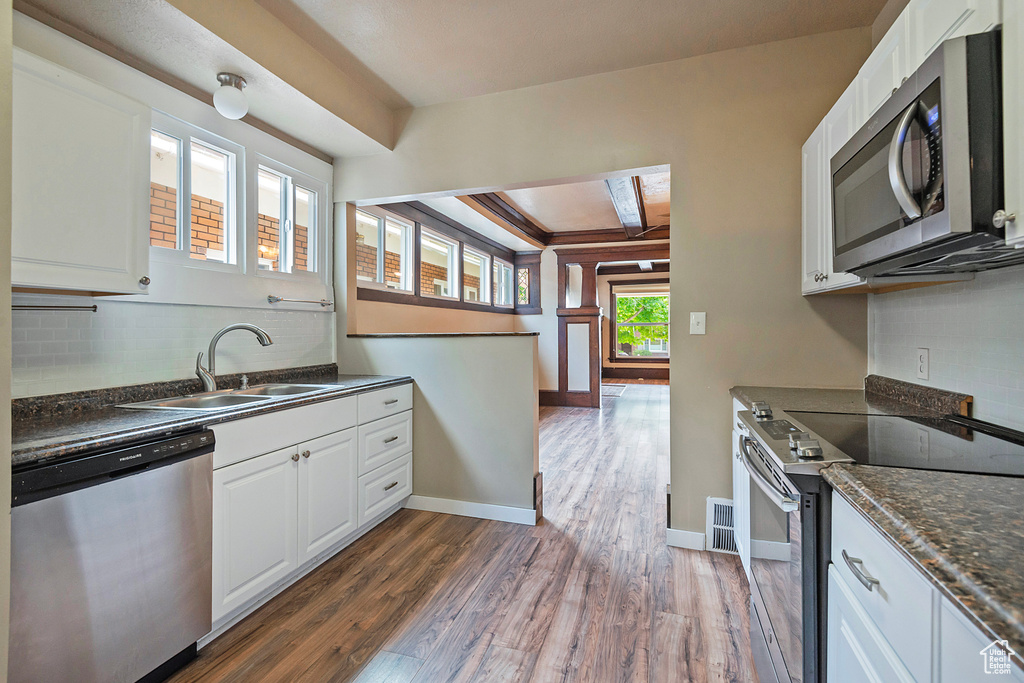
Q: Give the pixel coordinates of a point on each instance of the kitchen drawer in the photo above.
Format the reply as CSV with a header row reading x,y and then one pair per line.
x,y
377,404
241,439
383,440
900,604
384,487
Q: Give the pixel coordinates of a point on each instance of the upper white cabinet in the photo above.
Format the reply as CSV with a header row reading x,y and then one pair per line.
x,y
813,233
80,161
933,21
885,70
1013,111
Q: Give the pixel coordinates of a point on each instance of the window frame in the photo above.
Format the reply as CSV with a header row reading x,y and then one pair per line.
x,y
185,133
503,264
316,247
409,258
613,326
454,265
485,268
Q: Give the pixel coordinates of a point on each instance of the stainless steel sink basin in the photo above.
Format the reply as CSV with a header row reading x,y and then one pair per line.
x,y
280,389
212,401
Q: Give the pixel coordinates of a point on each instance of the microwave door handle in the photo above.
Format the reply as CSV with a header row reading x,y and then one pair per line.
x,y
897,178
781,498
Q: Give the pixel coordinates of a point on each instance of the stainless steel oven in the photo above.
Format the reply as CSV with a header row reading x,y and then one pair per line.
x,y
916,189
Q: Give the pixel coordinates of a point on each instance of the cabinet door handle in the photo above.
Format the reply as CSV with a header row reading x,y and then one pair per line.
x,y
855,564
817,277
390,401
295,457
305,454
391,486
390,439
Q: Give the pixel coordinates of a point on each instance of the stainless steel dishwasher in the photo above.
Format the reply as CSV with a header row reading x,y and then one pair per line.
x,y
111,562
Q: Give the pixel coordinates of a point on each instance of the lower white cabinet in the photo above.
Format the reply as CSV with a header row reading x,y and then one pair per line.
x,y
327,497
384,487
965,652
255,527
857,650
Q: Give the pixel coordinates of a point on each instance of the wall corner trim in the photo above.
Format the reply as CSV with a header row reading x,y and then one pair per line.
x,y
678,538
498,513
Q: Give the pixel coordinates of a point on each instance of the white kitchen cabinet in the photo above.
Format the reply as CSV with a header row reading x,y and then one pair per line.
x,y
384,487
1013,117
812,249
857,652
327,495
933,21
885,70
80,183
255,528
960,651
740,504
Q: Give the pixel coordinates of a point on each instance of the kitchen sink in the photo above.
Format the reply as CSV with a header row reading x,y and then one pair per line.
x,y
212,401
228,398
280,389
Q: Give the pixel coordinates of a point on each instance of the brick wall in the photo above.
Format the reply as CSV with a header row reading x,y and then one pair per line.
x,y
366,263
428,273
208,227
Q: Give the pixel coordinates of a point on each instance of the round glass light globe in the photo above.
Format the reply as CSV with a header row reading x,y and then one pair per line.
x,y
230,102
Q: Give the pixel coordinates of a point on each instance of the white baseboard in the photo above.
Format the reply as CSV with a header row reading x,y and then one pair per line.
x,y
770,550
678,538
499,513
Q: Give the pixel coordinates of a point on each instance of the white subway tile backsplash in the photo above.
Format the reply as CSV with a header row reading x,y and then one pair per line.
x,y
975,333
126,342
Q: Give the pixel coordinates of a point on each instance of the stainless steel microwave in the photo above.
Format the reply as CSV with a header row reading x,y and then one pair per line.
x,y
915,190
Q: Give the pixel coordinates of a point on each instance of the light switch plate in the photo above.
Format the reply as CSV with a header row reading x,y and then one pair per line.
x,y
698,321
922,363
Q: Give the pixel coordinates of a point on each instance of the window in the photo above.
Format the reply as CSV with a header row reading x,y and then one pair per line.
x,y
503,285
439,265
641,325
523,287
392,266
285,223
476,276
179,160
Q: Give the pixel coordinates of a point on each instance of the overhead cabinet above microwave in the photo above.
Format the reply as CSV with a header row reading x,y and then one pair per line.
x,y
922,27
80,187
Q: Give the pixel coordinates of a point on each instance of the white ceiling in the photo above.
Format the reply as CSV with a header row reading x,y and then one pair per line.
x,y
427,51
561,208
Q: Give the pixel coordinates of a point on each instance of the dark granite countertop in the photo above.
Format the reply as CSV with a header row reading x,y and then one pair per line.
x,y
429,335
964,531
853,401
42,433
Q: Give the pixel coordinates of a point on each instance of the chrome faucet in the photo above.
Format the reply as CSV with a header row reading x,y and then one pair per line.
x,y
208,375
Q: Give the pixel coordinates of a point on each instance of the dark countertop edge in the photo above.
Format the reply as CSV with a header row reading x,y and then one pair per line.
x,y
410,335
902,535
739,392
179,421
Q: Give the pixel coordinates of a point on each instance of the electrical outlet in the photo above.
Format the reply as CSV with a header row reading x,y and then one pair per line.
x,y
922,363
698,323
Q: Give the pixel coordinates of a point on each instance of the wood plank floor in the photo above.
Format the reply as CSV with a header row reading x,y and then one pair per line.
x,y
590,594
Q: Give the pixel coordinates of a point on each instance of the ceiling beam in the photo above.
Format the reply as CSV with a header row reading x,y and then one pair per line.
x,y
628,199
659,232
510,218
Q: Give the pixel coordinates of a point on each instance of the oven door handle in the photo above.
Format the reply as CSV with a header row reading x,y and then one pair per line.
x,y
783,499
897,176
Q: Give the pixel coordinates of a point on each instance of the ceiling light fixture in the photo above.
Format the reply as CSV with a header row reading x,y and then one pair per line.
x,y
228,98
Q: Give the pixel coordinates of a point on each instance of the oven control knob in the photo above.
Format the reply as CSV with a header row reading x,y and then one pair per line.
x,y
797,436
761,410
809,450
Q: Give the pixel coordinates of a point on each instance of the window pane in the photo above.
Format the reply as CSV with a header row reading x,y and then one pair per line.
x,y
396,256
304,232
209,176
638,341
523,290
366,246
476,273
502,284
268,220
641,308
438,265
164,157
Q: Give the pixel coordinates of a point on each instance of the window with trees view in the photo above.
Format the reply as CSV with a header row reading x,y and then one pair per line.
x,y
641,325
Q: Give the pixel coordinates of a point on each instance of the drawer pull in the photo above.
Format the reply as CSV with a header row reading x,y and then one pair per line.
x,y
390,401
391,486
855,564
390,439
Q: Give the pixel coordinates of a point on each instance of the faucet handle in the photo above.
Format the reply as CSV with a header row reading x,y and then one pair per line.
x,y
245,381
204,375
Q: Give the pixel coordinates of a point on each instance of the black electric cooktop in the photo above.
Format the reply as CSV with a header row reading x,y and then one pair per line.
x,y
951,444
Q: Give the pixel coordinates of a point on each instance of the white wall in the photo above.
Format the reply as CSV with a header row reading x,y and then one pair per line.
x,y
546,324
5,348
130,343
975,335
